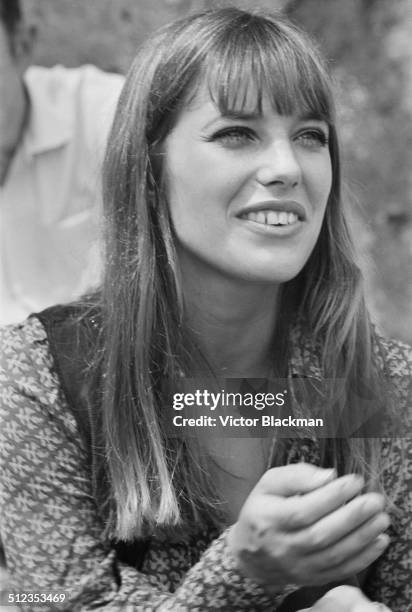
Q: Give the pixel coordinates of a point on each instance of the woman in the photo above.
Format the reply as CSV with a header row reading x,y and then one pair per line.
x,y
228,252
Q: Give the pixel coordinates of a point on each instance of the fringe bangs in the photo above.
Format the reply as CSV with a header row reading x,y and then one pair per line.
x,y
246,64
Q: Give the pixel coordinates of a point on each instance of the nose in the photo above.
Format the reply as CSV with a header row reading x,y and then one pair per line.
x,y
280,166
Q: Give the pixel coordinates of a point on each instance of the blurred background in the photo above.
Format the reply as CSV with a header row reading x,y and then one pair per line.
x,y
369,45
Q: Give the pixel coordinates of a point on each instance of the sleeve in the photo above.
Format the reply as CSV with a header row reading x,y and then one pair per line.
x,y
50,528
390,579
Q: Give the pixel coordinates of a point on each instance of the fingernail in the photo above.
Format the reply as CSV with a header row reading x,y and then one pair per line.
x,y
374,504
385,520
383,540
378,607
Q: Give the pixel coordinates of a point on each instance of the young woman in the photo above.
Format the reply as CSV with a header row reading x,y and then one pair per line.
x,y
228,252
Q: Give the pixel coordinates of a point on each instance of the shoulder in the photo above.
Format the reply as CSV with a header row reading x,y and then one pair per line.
x,y
393,356
28,345
60,79
84,96
393,360
94,91
39,357
99,81
394,364
31,398
25,359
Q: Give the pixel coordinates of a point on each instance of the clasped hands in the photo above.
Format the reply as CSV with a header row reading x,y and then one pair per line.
x,y
302,525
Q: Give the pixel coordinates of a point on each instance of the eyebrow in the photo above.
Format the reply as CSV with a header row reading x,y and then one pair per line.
x,y
238,115
246,116
233,114
311,117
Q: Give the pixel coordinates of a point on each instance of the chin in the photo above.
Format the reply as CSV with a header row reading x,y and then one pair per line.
x,y
272,272
272,277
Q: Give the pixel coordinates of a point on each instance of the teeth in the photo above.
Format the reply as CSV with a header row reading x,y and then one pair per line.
x,y
272,217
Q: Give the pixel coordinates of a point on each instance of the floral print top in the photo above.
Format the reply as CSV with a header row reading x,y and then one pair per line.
x,y
53,538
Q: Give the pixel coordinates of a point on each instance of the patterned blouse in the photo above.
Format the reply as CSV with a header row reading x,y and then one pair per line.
x,y
53,537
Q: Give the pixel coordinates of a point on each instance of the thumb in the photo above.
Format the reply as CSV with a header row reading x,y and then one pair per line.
x,y
345,598
294,479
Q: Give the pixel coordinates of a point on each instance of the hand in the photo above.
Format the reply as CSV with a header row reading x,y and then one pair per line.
x,y
302,525
346,599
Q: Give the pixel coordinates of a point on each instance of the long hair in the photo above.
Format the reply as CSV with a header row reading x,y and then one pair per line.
x,y
154,480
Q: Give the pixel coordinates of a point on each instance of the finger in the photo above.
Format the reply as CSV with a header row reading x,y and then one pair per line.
x,y
351,545
294,479
305,510
344,598
327,604
369,606
361,511
355,564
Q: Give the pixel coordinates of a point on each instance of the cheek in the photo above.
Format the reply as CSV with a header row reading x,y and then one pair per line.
x,y
186,175
327,180
191,202
319,183
199,187
187,193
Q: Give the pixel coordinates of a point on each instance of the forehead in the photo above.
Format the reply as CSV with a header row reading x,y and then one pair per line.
x,y
248,101
243,98
247,89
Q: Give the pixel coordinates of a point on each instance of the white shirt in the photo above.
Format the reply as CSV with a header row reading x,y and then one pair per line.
x,y
50,204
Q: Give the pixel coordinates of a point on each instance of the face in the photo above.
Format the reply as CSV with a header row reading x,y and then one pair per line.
x,y
247,193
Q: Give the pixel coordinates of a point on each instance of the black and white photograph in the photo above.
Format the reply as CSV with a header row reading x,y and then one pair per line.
x,y
205,305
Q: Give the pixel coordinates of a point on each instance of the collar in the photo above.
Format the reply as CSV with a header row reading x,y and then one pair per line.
x,y
49,124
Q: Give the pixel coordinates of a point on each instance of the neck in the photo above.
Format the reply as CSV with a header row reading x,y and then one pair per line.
x,y
233,322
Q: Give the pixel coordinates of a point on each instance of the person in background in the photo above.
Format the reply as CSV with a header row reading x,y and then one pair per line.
x,y
53,127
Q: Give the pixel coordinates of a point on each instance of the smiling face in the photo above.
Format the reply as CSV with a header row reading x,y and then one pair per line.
x,y
247,192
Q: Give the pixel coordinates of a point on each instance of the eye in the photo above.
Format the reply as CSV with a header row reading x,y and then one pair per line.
x,y
233,137
313,138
